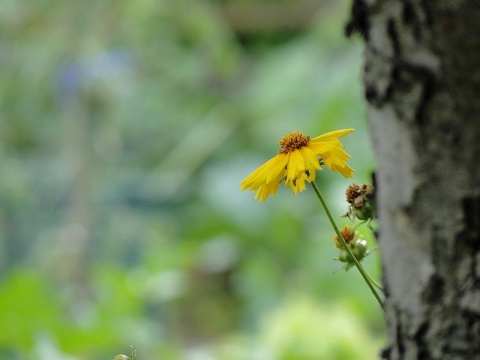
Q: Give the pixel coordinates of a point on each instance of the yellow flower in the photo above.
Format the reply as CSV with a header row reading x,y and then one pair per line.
x,y
297,161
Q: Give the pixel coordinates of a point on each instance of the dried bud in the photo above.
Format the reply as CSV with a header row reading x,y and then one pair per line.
x,y
360,198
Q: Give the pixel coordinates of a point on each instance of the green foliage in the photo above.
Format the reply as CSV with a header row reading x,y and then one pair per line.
x,y
27,309
304,330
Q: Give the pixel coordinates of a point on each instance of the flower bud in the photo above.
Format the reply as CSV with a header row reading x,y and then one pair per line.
x,y
355,242
360,198
348,235
359,249
343,256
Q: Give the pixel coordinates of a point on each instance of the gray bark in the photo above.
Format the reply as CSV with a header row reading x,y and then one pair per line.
x,y
422,83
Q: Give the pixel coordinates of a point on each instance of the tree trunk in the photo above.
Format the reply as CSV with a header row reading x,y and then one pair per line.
x,y
422,82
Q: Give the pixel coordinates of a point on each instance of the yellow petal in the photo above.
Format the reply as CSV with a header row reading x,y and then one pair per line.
x,y
301,183
311,159
295,165
265,173
267,177
277,167
332,135
346,171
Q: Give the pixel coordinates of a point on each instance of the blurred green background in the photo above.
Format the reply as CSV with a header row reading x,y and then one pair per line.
x,y
125,130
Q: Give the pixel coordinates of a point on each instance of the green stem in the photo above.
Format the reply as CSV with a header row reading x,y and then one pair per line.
x,y
359,266
376,284
359,224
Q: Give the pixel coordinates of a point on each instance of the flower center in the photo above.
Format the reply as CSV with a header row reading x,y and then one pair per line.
x,y
292,141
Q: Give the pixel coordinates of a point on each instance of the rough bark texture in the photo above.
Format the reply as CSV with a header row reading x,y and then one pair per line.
x,y
422,82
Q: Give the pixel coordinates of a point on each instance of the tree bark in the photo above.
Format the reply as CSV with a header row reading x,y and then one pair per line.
x,y
422,83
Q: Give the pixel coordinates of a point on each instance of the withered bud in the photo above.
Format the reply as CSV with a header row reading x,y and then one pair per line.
x,y
360,198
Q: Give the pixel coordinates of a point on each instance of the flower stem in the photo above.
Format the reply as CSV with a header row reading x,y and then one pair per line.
x,y
376,284
359,266
359,224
